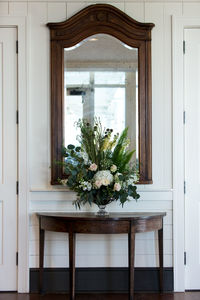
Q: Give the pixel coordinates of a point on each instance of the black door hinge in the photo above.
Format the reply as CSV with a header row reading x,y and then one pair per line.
x,y
17,117
17,47
184,187
184,117
184,258
183,47
17,187
16,258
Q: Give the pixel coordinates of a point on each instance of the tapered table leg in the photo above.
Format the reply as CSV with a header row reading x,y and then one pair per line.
x,y
72,265
41,271
160,243
131,258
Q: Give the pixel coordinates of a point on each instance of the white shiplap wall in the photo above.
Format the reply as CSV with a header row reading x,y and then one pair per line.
x,y
99,250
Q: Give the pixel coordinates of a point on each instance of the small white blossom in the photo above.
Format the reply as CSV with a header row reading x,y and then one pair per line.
x,y
85,185
93,167
133,178
85,157
64,181
117,187
97,184
130,181
113,168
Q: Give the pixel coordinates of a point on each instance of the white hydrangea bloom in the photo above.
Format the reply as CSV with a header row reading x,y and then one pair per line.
x,y
102,178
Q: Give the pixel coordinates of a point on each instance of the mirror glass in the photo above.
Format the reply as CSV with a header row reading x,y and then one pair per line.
x,y
101,80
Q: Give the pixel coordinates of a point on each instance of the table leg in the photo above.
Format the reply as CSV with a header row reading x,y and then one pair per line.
x,y
72,265
131,258
41,270
160,243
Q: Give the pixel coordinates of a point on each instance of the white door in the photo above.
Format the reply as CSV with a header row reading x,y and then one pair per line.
x,y
8,159
192,157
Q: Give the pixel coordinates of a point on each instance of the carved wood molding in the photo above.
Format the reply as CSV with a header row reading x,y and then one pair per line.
x,y
100,18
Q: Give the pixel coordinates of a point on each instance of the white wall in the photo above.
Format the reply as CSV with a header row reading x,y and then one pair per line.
x,y
99,250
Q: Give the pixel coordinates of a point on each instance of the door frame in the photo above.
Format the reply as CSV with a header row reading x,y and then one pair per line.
x,y
23,203
178,26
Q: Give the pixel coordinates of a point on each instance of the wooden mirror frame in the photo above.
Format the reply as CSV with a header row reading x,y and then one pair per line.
x,y
105,19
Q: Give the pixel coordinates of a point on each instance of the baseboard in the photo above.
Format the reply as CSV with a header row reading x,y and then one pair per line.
x,y
108,280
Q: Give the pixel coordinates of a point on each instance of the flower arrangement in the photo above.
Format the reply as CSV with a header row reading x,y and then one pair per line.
x,y
100,170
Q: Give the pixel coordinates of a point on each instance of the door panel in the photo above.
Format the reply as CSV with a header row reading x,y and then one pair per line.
x,y
192,156
8,159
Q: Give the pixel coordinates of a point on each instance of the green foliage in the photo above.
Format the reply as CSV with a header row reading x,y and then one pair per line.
x,y
121,156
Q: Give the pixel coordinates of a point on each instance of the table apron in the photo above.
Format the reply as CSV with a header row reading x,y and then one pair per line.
x,y
100,226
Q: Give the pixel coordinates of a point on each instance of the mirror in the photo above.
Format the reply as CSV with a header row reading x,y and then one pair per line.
x,y
101,67
103,86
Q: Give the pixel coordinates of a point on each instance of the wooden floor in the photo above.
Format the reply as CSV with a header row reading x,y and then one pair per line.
x,y
138,296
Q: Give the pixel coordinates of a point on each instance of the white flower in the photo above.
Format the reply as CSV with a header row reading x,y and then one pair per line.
x,y
89,186
93,167
85,185
98,184
135,178
132,180
117,187
105,181
64,181
103,178
113,168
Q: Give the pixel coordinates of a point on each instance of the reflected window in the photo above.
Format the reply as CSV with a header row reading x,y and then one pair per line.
x,y
104,87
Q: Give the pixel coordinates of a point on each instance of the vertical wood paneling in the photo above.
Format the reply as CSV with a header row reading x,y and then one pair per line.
x,y
18,8
38,93
135,10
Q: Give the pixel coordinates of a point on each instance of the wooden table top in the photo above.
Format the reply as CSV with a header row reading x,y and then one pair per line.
x,y
112,216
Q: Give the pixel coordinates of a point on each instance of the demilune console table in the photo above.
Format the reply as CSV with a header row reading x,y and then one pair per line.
x,y
73,223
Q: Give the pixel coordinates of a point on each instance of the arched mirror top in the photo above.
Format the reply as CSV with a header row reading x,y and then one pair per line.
x,y
84,74
100,18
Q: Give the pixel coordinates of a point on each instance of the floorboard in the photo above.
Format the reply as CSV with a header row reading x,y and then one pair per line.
x,y
138,296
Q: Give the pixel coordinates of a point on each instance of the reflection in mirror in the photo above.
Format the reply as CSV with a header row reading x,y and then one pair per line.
x,y
101,80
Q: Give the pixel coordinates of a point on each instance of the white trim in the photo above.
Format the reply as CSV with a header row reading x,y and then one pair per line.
x,y
23,207
179,24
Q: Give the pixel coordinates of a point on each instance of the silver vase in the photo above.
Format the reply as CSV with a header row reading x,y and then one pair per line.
x,y
102,211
